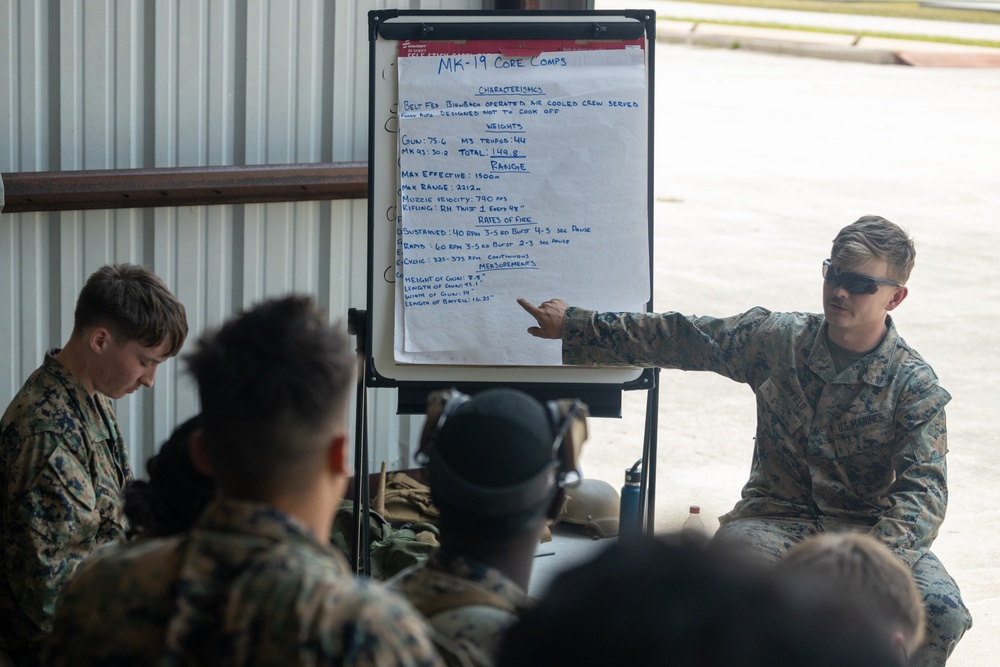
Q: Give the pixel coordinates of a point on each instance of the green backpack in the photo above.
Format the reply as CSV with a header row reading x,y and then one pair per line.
x,y
391,549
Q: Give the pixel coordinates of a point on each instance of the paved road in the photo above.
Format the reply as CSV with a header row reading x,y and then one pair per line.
x,y
759,160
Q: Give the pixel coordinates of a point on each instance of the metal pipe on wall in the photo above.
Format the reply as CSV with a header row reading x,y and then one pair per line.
x,y
182,186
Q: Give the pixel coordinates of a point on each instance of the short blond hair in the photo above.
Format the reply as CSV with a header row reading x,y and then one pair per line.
x,y
874,237
859,567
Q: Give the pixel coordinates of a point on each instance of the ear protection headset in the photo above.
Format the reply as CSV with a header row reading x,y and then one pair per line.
x,y
567,419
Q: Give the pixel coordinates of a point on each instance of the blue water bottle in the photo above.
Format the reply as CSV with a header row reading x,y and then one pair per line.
x,y
628,513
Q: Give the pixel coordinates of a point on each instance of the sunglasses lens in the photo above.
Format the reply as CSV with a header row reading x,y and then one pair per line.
x,y
852,282
856,284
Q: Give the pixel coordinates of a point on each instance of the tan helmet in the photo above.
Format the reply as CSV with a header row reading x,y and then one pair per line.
x,y
593,504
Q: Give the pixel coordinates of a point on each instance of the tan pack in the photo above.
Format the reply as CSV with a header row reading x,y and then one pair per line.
x,y
402,499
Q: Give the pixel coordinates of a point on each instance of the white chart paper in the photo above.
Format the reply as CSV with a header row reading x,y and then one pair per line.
x,y
521,176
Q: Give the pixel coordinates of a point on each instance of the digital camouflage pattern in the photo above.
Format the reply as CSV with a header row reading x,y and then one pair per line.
x,y
248,586
863,447
63,465
469,603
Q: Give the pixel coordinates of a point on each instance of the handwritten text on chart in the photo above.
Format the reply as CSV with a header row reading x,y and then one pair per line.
x,y
496,159
470,163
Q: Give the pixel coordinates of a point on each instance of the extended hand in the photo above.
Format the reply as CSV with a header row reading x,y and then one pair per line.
x,y
549,315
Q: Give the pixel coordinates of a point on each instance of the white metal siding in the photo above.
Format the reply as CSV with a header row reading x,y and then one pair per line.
x,y
119,84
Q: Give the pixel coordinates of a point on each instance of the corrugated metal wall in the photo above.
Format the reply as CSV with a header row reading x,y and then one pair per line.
x,y
119,84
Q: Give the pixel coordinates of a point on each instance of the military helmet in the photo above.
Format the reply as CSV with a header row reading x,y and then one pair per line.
x,y
592,504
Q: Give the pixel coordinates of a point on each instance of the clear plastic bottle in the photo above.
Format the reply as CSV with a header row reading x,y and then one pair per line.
x,y
693,522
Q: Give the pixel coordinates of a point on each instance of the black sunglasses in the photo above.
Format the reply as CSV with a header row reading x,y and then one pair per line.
x,y
854,283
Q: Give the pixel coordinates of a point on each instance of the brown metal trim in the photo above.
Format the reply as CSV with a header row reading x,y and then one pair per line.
x,y
183,186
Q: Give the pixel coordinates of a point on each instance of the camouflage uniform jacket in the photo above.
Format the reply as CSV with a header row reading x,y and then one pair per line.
x,y
471,604
865,446
63,464
248,586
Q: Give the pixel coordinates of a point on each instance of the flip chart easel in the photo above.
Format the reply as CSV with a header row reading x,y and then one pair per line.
x,y
510,154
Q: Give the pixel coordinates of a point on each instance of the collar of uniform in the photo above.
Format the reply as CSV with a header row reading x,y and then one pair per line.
x,y
262,521
91,407
873,369
476,571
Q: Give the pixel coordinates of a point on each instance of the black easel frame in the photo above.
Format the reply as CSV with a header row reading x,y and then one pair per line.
x,y
602,396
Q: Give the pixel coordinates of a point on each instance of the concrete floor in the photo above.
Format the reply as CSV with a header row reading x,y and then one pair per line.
x,y
760,159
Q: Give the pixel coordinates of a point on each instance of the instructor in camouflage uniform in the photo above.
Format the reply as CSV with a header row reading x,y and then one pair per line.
x,y
851,431
63,462
255,582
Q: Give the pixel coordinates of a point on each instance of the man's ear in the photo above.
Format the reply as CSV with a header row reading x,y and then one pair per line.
x,y
897,297
199,457
99,339
336,456
899,644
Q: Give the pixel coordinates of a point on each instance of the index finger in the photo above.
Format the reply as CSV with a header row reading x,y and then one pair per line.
x,y
528,306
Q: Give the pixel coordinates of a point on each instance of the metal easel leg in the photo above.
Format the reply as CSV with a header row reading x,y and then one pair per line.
x,y
361,538
647,484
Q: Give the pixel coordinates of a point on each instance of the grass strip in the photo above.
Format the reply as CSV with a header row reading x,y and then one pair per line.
x,y
833,31
890,8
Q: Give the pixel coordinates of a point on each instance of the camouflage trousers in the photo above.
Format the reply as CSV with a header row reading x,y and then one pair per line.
x,y
768,539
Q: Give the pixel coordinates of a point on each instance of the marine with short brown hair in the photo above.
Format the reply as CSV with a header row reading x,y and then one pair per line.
x,y
63,462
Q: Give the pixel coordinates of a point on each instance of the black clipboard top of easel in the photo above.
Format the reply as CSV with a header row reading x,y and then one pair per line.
x,y
539,24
